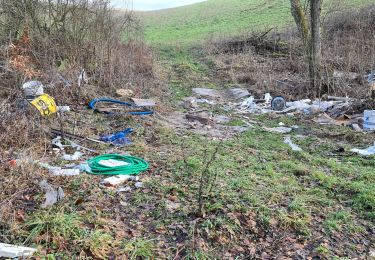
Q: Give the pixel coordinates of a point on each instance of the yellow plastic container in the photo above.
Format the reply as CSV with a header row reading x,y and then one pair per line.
x,y
45,104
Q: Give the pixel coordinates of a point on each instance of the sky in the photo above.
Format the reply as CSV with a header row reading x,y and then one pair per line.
x,y
147,5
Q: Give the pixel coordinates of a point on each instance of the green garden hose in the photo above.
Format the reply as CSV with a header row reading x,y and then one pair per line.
x,y
134,165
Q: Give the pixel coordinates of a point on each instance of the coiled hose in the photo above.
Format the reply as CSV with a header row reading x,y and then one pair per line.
x,y
134,165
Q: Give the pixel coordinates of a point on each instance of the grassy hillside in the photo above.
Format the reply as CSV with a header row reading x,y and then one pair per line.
x,y
223,18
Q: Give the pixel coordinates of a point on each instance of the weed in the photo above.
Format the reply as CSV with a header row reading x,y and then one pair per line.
x,y
55,226
99,243
139,248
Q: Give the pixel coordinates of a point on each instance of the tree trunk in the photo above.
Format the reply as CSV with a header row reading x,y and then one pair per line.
x,y
300,18
315,45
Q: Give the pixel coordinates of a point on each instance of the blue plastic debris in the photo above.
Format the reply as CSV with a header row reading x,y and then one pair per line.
x,y
119,138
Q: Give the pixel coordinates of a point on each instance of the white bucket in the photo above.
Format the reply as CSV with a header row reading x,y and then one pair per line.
x,y
369,120
33,88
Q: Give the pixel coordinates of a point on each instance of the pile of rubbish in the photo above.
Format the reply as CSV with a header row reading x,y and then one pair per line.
x,y
328,110
68,146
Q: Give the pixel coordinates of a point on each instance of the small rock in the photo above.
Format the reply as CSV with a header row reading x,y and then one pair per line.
x,y
138,185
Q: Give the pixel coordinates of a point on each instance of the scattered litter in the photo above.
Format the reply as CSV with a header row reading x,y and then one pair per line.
x,y
144,102
63,108
82,78
52,195
248,103
288,140
249,106
281,124
45,104
192,102
138,185
119,138
369,120
118,179
267,98
206,92
124,189
178,121
13,251
280,130
365,152
59,171
72,157
356,127
124,92
32,89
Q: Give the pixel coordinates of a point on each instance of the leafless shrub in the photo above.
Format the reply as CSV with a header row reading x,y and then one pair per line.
x,y
274,61
65,36
349,46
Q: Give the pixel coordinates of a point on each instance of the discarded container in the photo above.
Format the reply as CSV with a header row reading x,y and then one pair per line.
x,y
33,88
13,251
45,104
369,120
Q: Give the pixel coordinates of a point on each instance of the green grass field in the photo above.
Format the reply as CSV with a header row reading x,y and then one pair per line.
x,y
222,18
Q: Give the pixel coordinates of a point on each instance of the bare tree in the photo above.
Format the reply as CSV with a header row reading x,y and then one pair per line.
x,y
310,36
